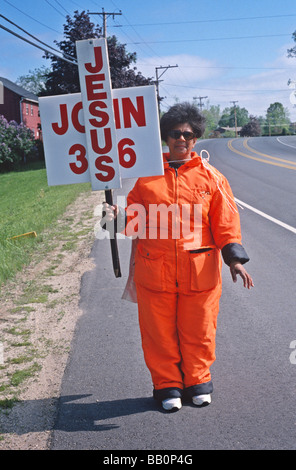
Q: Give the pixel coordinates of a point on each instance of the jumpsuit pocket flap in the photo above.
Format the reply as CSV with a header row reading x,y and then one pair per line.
x,y
204,270
144,253
149,269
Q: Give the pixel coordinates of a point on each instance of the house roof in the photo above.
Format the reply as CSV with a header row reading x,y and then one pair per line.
x,y
18,89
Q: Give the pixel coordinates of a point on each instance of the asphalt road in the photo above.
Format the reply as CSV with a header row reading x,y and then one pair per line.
x,y
106,397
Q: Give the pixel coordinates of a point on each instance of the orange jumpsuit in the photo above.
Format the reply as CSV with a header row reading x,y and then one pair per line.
x,y
178,278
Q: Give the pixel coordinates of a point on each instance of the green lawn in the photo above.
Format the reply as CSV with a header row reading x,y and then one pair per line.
x,y
28,204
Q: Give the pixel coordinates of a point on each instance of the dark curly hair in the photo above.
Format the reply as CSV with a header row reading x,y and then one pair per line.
x,y
182,113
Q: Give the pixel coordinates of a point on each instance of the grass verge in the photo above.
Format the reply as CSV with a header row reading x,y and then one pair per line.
x,y
28,204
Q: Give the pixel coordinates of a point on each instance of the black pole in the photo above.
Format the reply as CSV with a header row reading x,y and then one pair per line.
x,y
113,239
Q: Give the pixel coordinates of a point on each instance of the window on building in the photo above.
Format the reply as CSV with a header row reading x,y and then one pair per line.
x,y
32,110
27,108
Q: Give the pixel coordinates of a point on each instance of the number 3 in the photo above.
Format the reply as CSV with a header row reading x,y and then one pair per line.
x,y
81,157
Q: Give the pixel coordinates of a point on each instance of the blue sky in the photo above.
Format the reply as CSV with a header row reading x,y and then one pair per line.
x,y
226,50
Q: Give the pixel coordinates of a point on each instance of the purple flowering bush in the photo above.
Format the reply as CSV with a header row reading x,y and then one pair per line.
x,y
16,144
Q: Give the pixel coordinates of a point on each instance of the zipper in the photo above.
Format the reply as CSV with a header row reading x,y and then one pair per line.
x,y
176,200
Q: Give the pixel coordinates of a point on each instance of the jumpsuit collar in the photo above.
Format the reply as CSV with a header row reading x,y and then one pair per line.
x,y
195,159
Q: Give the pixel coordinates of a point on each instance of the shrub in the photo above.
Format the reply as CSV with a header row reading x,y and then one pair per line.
x,y
16,144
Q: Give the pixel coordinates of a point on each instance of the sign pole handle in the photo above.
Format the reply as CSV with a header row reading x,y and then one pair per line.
x,y
113,240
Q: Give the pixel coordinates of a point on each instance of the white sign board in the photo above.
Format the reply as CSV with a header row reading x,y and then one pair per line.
x,y
137,133
87,140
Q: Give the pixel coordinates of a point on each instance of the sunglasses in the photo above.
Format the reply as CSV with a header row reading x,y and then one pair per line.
x,y
176,134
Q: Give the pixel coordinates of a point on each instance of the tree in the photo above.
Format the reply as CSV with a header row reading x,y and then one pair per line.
x,y
228,117
212,114
292,51
64,76
35,80
252,128
277,118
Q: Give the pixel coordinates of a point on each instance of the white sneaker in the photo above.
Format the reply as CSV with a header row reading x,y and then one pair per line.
x,y
172,404
202,400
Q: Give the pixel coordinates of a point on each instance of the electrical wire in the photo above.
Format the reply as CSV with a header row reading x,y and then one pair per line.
x,y
31,17
229,90
215,39
62,14
211,20
36,45
34,37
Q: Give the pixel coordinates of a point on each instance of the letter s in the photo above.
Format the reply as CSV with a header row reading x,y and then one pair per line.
x,y
101,167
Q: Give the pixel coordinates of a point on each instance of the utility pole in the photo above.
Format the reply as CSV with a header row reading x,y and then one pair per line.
x,y
157,81
200,98
104,14
235,120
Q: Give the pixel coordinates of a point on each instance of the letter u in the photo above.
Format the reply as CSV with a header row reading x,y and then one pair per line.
x,y
95,142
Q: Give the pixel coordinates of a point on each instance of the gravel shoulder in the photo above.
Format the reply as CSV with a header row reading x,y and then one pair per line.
x,y
38,313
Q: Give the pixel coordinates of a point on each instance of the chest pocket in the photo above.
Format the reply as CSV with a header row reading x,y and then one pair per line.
x,y
149,269
204,269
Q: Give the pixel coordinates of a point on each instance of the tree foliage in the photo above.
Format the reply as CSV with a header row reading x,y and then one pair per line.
x,y
228,117
35,80
292,51
252,128
277,118
212,114
64,77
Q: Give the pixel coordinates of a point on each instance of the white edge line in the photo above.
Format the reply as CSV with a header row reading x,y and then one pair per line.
x,y
283,143
276,221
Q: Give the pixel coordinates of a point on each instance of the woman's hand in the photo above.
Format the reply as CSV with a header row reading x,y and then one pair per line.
x,y
237,268
109,212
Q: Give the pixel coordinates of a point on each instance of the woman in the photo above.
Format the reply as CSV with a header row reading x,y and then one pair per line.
x,y
178,277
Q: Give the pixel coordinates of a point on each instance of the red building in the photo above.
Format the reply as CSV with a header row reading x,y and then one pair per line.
x,y
20,105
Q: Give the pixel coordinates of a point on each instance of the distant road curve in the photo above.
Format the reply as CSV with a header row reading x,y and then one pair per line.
x,y
268,158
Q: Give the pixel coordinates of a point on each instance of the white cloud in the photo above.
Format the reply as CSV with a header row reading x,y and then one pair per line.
x,y
196,76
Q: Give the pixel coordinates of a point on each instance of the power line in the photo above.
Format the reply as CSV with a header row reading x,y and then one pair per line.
x,y
34,37
68,13
31,17
210,20
55,8
143,40
230,67
36,45
227,90
265,36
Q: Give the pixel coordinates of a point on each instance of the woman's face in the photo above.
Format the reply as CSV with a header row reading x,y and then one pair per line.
x,y
180,148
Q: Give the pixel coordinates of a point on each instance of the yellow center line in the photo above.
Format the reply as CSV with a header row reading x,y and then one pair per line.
x,y
229,144
265,155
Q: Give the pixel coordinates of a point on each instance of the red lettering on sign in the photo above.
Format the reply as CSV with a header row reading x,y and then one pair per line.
x,y
116,113
98,61
129,110
126,151
93,109
93,83
74,117
99,163
81,157
95,143
62,129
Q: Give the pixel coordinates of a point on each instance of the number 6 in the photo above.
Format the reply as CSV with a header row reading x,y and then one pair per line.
x,y
126,151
